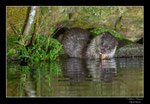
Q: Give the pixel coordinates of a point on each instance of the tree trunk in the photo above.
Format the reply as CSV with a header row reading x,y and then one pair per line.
x,y
28,26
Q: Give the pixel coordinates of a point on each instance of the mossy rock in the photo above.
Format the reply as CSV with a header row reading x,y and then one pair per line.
x,y
130,25
17,16
132,50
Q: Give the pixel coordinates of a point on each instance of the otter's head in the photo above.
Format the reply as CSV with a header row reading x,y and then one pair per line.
x,y
108,44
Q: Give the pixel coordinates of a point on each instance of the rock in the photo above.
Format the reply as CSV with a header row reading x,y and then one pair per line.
x,y
131,28
132,50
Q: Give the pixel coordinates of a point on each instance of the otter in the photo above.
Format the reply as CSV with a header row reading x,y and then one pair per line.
x,y
74,41
77,43
102,46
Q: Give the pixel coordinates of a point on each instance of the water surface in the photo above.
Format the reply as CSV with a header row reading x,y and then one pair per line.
x,y
73,77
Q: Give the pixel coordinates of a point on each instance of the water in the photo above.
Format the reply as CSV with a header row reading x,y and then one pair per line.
x,y
73,77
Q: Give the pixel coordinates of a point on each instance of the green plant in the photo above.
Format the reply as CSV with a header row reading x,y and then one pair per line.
x,y
44,48
10,41
12,52
100,30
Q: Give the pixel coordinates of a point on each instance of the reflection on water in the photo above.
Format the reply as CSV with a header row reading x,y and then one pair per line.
x,y
102,71
74,77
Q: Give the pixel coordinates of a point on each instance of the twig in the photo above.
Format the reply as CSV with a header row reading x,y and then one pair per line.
x,y
13,28
59,29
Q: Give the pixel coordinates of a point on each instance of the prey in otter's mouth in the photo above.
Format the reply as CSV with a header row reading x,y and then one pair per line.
x,y
108,54
103,56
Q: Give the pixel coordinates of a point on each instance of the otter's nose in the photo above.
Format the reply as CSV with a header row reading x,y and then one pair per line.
x,y
102,50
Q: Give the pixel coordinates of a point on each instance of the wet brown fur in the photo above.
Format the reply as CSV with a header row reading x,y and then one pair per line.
x,y
76,43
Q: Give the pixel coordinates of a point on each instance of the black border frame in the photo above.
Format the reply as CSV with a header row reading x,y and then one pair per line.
x,y
5,100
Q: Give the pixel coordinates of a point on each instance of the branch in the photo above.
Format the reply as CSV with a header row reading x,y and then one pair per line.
x,y
13,28
30,20
28,26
